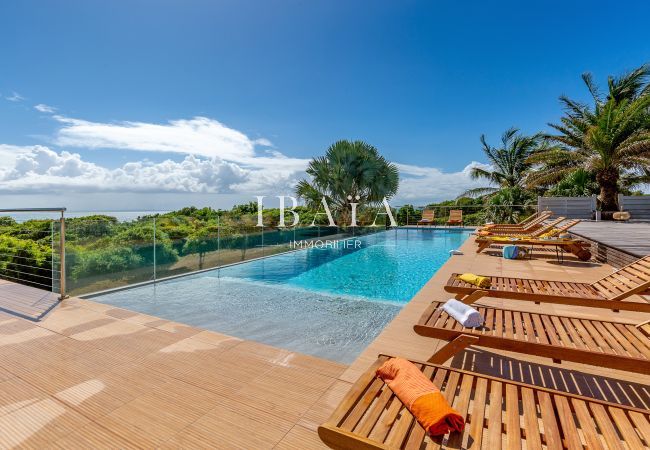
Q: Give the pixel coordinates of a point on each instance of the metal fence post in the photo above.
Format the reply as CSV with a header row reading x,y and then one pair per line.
x,y
621,202
62,293
154,249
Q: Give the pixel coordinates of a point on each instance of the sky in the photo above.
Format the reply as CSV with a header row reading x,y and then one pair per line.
x,y
158,104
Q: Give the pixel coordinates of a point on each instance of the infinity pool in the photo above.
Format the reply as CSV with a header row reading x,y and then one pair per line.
x,y
327,302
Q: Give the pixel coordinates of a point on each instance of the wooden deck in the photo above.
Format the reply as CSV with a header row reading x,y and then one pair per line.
x,y
631,237
89,375
93,376
25,301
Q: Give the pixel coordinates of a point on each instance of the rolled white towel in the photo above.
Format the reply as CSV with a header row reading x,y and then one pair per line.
x,y
464,314
455,252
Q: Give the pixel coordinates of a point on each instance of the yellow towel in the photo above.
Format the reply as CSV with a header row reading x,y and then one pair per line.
x,y
507,238
549,234
476,280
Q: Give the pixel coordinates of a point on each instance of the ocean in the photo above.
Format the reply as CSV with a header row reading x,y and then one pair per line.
x,y
122,216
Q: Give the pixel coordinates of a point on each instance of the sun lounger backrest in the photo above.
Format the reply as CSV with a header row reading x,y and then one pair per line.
x,y
569,224
529,219
456,214
547,227
428,214
541,218
631,279
554,231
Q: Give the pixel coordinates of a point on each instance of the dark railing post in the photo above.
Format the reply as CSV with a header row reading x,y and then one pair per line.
x,y
154,249
62,293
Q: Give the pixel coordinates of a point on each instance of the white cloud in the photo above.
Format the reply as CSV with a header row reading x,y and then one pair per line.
x,y
217,160
44,108
40,169
15,97
422,185
9,153
197,136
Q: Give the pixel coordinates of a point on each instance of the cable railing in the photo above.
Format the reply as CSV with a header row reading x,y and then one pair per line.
x,y
81,255
473,215
34,256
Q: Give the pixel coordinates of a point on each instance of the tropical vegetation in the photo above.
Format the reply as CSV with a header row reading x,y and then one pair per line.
x,y
350,171
510,163
609,139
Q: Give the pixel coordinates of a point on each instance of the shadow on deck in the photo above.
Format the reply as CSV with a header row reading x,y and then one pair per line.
x,y
25,301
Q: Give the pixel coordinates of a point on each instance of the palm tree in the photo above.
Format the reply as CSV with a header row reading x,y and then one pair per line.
x,y
509,163
610,139
349,169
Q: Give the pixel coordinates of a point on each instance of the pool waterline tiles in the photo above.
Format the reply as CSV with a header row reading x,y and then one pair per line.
x,y
327,302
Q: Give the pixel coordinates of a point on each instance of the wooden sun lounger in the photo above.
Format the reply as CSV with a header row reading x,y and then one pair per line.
x,y
537,231
597,342
574,246
578,248
455,217
498,414
530,224
608,292
428,216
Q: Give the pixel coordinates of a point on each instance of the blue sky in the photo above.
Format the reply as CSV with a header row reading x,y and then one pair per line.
x,y
276,83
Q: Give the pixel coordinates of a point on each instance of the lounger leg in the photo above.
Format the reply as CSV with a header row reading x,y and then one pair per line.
x,y
451,348
473,297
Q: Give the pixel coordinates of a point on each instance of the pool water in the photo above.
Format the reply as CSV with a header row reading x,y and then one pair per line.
x,y
327,302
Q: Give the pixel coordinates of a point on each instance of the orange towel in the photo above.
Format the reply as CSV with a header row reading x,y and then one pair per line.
x,y
484,233
420,396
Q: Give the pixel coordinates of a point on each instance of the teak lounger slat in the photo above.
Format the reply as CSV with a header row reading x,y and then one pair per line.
x,y
498,414
536,231
608,292
596,342
529,224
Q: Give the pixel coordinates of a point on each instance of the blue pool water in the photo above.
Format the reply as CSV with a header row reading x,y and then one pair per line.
x,y
327,302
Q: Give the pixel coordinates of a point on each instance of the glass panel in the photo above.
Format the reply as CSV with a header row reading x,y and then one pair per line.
x,y
26,252
102,253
